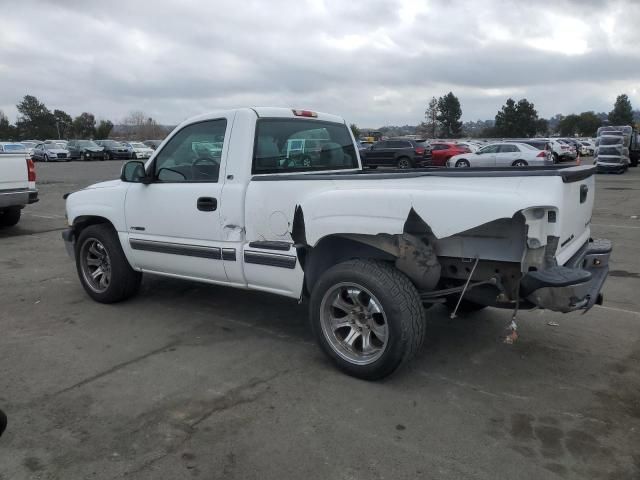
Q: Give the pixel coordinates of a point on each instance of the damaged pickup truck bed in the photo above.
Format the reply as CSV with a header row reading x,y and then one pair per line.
x,y
275,200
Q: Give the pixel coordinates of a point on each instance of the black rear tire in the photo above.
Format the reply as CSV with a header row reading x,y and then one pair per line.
x,y
405,317
124,280
404,163
10,216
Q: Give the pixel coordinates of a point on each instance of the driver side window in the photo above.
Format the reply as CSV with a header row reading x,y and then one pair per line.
x,y
193,154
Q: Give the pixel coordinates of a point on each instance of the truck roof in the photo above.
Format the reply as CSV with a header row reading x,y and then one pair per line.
x,y
270,112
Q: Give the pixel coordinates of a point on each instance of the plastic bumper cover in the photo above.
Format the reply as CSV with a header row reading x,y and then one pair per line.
x,y
574,286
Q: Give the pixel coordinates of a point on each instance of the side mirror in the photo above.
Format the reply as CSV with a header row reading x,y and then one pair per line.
x,y
133,172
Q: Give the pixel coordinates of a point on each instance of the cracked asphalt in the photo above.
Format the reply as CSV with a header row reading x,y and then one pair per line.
x,y
198,381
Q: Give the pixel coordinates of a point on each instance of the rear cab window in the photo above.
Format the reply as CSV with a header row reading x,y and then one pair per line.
x,y
287,145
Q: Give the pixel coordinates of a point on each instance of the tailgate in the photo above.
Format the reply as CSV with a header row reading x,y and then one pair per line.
x,y
575,216
13,172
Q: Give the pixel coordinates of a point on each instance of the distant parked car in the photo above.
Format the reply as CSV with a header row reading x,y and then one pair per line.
x,y
12,147
400,153
139,150
85,150
50,152
61,143
443,151
470,145
152,144
114,150
506,154
587,147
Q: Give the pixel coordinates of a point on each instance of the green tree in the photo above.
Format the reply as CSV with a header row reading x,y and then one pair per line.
x,y
622,113
507,120
34,119
568,126
84,125
588,123
105,126
7,131
431,118
355,130
517,119
449,113
64,123
542,127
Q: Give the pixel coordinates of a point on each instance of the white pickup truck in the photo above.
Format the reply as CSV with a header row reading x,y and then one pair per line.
x,y
17,186
224,200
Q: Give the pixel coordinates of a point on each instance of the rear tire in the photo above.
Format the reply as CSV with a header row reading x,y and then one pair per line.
x,y
98,248
10,216
404,163
367,317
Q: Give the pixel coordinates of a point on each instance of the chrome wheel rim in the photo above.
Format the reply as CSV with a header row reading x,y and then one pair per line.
x,y
95,265
354,323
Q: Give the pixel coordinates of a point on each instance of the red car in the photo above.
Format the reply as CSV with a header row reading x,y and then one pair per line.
x,y
443,151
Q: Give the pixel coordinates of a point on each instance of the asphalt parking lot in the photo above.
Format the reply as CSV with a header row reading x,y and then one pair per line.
x,y
198,381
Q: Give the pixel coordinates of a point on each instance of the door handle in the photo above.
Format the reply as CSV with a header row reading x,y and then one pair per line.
x,y
207,204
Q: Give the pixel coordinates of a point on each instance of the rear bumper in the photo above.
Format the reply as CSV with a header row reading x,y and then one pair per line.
x,y
14,198
574,286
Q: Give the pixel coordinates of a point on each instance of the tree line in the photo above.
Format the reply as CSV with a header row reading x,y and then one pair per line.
x,y
516,119
36,121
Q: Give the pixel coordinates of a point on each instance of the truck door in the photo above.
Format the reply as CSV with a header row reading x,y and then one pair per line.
x,y
173,223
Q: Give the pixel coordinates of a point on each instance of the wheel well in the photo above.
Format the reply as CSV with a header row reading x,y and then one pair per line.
x,y
335,249
82,222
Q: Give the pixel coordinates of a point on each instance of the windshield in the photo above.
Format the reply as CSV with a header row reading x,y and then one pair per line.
x,y
297,145
53,146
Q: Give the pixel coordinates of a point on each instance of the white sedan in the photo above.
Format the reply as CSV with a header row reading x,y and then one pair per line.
x,y
502,155
140,150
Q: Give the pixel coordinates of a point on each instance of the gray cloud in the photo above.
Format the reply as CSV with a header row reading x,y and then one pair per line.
x,y
373,62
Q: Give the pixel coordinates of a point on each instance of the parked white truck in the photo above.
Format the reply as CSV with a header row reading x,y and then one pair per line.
x,y
224,200
17,186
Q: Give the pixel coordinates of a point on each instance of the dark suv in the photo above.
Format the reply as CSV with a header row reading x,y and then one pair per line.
x,y
397,152
114,150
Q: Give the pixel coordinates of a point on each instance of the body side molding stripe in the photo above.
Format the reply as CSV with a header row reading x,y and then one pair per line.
x,y
176,249
270,259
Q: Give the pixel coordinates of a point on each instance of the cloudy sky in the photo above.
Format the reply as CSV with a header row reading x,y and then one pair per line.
x,y
375,62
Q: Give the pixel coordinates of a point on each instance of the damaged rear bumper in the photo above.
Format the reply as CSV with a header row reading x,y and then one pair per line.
x,y
574,286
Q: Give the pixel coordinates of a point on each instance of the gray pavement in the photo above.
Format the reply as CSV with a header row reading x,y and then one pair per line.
x,y
198,381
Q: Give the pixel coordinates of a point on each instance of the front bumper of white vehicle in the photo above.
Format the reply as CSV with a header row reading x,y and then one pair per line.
x,y
574,286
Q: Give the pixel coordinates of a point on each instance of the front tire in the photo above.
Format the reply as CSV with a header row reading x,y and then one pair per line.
x,y
102,266
520,163
367,317
106,156
83,157
46,158
556,158
462,163
10,216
